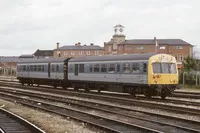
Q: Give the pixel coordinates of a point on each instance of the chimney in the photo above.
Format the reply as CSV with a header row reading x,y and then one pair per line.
x,y
91,44
58,45
154,39
78,44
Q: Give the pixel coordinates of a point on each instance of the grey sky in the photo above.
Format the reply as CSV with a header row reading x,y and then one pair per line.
x,y
28,25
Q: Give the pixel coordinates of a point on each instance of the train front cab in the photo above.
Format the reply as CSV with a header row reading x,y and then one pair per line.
x,y
162,75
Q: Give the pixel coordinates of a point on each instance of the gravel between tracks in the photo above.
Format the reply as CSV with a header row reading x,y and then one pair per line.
x,y
51,123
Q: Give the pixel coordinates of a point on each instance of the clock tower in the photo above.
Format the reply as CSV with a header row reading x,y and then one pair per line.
x,y
118,37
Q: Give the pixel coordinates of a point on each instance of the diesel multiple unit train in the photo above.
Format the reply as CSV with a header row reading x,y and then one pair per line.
x,y
149,74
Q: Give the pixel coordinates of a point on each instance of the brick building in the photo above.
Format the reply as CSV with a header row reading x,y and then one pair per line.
x,y
119,45
78,50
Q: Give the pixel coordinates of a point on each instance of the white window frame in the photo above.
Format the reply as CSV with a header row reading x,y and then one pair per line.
x,y
80,52
88,52
109,49
72,52
181,57
139,47
96,52
128,47
179,47
162,47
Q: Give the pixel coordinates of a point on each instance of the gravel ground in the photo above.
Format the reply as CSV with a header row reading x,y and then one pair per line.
x,y
50,123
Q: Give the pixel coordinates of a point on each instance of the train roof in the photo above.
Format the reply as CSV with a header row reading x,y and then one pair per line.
x,y
144,56
41,60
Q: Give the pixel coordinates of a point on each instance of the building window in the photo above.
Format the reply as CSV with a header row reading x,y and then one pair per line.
x,y
179,47
72,53
80,53
65,52
127,47
139,47
181,57
109,49
162,47
88,52
96,52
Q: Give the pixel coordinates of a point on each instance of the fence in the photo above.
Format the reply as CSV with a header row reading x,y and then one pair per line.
x,y
190,78
7,71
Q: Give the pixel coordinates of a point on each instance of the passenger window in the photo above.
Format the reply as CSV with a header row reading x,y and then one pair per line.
x,y
126,68
53,68
135,68
96,68
81,68
35,67
57,68
24,68
103,68
71,68
39,68
31,67
91,67
42,68
111,68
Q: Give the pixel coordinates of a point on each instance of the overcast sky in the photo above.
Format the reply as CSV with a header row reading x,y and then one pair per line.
x,y
28,25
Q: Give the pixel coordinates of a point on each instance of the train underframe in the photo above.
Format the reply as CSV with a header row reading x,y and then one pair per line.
x,y
133,89
40,81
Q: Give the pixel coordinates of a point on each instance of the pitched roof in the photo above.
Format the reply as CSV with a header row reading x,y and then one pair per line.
x,y
143,56
73,47
9,59
43,53
151,41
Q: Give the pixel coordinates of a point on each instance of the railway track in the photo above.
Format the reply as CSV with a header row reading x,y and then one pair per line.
x,y
151,120
176,94
151,103
11,123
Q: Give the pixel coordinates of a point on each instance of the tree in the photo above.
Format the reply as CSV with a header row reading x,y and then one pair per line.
x,y
190,63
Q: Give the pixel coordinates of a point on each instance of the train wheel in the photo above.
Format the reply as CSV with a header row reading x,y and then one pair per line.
x,y
163,94
87,89
55,86
75,88
147,93
64,87
132,92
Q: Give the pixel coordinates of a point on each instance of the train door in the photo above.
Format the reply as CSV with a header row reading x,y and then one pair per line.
x,y
118,71
28,70
144,73
65,70
49,69
76,70
57,70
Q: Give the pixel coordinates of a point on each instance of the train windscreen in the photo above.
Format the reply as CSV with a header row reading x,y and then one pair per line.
x,y
164,68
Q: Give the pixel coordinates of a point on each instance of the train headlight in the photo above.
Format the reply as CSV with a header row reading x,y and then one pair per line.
x,y
171,80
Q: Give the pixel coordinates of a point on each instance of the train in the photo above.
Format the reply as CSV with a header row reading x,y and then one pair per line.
x,y
151,74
